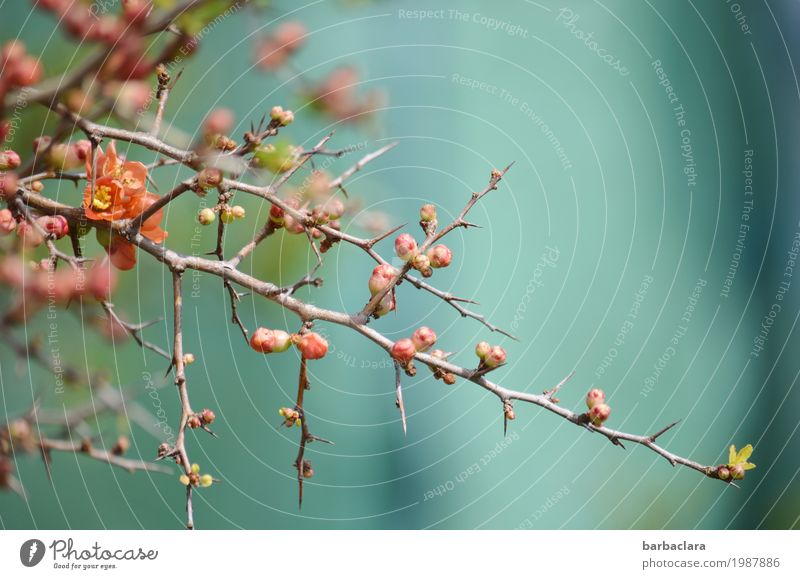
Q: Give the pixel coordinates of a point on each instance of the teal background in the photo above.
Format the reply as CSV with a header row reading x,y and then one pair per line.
x,y
620,214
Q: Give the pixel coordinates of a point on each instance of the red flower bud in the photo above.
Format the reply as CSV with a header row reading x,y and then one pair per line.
x,y
595,397
269,341
276,214
440,256
403,351
599,414
495,357
405,246
54,224
381,277
423,338
312,346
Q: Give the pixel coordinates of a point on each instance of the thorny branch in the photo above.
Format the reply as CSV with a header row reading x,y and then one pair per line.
x,y
28,201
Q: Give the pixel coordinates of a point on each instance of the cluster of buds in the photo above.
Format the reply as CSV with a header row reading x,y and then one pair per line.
x,y
311,345
738,464
228,214
447,377
42,284
403,350
599,411
281,117
19,69
290,416
274,50
195,479
380,279
490,356
313,200
435,257
201,419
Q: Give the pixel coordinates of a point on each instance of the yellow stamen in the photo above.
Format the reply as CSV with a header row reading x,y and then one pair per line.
x,y
102,198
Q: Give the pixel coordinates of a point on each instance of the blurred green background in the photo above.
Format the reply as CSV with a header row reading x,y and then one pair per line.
x,y
605,250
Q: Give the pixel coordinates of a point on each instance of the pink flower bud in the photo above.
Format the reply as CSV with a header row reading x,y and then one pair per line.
x,y
12,51
482,350
7,222
102,280
427,212
595,397
218,122
599,414
56,225
405,246
334,208
381,277
737,471
495,357
313,346
9,160
26,71
440,256
269,341
194,422
423,338
403,351
723,472
29,235
290,35
8,184
207,416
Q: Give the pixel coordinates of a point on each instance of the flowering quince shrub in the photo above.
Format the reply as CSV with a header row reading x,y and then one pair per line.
x,y
42,259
